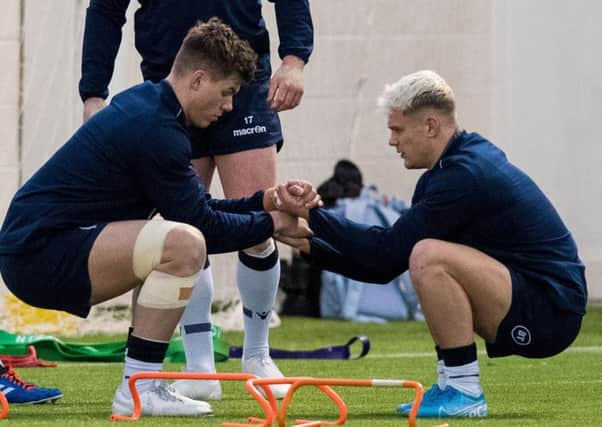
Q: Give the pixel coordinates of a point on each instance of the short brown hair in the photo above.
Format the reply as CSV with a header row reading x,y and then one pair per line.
x,y
214,46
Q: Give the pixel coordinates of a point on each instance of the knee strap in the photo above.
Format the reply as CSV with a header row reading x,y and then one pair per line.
x,y
260,261
262,250
160,290
148,248
164,291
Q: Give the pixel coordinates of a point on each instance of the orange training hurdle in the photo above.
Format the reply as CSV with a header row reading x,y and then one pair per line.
x,y
322,384
137,410
269,405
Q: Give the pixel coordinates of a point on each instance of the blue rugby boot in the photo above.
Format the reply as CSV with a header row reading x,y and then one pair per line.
x,y
18,391
451,403
430,394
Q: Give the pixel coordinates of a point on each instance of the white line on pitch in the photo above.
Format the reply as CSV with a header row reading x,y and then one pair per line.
x,y
584,349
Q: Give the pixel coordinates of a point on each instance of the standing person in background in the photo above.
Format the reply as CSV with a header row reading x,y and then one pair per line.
x,y
18,391
242,144
487,251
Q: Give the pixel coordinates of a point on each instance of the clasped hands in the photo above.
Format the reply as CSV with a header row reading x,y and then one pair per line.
x,y
289,206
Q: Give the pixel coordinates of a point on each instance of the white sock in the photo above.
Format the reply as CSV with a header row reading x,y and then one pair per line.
x,y
441,378
465,378
131,367
195,326
258,278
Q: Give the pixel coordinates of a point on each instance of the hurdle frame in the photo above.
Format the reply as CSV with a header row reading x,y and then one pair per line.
x,y
268,403
324,385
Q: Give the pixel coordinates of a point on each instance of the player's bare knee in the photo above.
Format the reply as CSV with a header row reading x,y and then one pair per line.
x,y
424,256
186,248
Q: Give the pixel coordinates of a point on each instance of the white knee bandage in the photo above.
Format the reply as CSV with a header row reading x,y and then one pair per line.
x,y
148,249
160,290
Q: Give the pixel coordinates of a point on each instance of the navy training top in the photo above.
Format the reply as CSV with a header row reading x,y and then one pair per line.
x,y
473,196
129,160
160,27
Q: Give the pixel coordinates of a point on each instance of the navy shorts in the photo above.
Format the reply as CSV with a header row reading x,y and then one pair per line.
x,y
56,276
534,327
250,125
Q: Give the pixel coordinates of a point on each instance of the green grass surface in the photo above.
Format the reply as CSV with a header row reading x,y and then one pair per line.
x,y
559,391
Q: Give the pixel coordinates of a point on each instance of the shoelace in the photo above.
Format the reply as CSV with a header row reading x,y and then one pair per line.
x,y
166,392
12,376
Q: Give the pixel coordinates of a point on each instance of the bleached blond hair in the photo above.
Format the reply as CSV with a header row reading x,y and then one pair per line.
x,y
418,90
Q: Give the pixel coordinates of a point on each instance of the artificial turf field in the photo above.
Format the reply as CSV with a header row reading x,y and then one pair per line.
x,y
559,391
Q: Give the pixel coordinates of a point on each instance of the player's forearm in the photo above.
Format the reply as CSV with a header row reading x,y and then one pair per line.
x,y
295,29
102,37
223,231
326,257
242,205
374,248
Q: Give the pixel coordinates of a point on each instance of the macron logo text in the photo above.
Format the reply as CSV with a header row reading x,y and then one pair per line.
x,y
249,131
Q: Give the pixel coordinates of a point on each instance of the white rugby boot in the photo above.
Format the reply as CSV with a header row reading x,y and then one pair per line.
x,y
199,389
264,367
160,400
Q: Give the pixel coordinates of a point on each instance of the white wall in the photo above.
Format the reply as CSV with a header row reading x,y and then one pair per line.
x,y
525,73
360,46
9,101
548,109
52,33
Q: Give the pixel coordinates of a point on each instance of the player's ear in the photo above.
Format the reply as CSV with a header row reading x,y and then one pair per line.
x,y
432,126
198,79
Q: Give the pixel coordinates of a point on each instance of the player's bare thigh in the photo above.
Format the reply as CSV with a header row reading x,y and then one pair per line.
x,y
245,172
110,263
485,280
241,174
